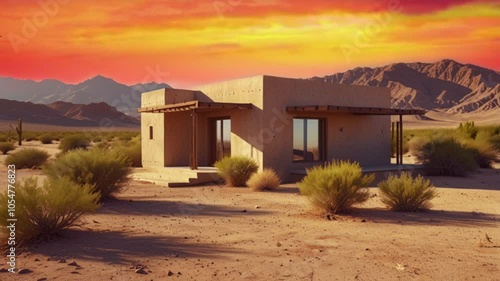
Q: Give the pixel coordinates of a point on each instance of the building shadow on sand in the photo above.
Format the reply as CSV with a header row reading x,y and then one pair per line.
x,y
428,218
142,207
123,248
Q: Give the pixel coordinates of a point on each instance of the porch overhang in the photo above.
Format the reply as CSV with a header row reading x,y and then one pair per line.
x,y
354,110
397,135
194,105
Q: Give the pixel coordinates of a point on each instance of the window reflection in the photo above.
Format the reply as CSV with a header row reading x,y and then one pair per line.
x,y
308,139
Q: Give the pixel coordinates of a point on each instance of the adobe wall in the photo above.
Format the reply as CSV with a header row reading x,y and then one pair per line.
x,y
244,123
152,155
361,138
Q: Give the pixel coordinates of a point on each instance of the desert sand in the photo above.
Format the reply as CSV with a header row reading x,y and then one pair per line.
x,y
217,233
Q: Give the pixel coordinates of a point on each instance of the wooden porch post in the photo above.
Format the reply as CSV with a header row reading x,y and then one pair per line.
x,y
194,142
401,139
397,143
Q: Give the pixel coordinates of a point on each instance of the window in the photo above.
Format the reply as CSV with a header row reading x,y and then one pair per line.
x,y
150,132
308,139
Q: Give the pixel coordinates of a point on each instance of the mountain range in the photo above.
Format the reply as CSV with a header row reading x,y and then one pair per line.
x,y
446,86
66,114
95,90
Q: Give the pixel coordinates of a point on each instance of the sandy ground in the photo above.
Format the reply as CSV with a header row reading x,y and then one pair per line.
x,y
216,233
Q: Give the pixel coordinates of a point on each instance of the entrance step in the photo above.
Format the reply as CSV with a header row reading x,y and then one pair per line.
x,y
176,176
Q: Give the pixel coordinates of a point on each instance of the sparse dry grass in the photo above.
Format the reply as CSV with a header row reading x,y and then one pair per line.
x,y
264,180
337,187
403,193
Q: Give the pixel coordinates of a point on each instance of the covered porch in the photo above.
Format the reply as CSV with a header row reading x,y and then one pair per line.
x,y
396,127
197,133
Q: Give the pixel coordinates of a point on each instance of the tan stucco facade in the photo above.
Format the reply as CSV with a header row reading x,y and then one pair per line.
x,y
265,132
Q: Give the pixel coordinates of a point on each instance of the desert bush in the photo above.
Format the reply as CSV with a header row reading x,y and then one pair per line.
x,y
336,187
446,157
133,151
495,142
3,138
468,130
484,153
45,138
44,211
97,139
27,158
236,170
265,180
28,136
404,193
6,147
72,142
106,171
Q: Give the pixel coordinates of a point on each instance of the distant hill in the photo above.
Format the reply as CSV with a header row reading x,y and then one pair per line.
x,y
446,86
66,114
98,89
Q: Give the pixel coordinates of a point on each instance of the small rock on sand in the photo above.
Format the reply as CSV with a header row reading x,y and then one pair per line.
x,y
73,263
140,271
24,271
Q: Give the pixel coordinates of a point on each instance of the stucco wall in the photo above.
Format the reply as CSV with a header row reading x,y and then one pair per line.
x,y
152,150
265,132
361,138
244,123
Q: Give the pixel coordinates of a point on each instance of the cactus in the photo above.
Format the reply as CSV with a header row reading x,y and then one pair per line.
x,y
19,130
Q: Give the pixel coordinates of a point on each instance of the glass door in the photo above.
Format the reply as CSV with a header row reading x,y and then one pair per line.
x,y
221,138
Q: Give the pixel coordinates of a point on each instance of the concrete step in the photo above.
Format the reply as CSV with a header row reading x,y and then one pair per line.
x,y
176,177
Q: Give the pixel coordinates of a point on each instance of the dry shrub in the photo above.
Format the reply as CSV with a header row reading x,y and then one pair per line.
x,y
45,138
444,156
236,170
404,193
133,151
6,147
27,158
484,153
336,187
43,212
72,142
265,180
106,171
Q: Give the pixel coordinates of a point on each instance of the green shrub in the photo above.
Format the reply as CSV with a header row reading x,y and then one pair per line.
x,y
45,211
265,180
236,170
6,147
483,152
106,171
133,151
336,187
495,142
445,156
27,158
72,142
468,130
45,138
407,194
28,136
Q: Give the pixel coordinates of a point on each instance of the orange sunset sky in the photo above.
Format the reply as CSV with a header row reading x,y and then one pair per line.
x,y
186,43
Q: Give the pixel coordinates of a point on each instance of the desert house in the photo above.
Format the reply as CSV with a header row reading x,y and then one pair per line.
x,y
284,124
